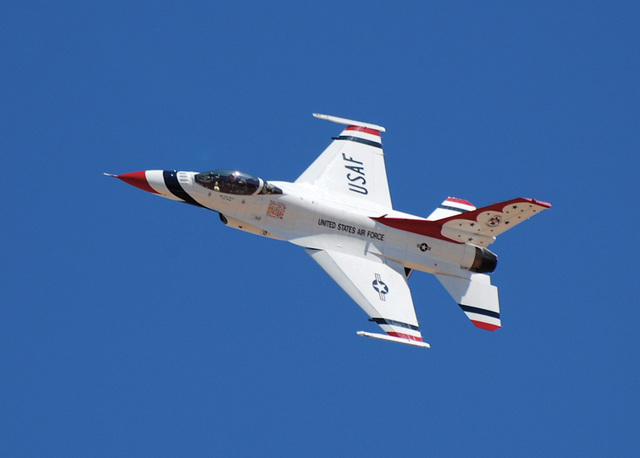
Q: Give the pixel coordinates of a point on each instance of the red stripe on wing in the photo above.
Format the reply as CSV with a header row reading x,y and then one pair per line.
x,y
405,336
366,130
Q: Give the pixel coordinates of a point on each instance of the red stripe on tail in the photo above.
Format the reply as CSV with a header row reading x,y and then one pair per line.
x,y
487,326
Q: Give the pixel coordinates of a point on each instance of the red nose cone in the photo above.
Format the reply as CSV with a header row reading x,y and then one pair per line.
x,y
137,179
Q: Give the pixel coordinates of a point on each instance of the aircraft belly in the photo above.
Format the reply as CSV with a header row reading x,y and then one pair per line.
x,y
427,254
313,223
270,216
322,226
229,221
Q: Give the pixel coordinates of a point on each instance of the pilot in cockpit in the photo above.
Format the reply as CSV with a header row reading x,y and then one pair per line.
x,y
234,182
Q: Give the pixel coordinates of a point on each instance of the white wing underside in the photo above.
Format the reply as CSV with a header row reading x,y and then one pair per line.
x,y
352,167
380,288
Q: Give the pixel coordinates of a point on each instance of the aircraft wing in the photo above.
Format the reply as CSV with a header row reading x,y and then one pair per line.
x,y
380,288
352,166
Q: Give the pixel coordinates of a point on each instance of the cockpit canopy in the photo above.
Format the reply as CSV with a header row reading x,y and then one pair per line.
x,y
234,182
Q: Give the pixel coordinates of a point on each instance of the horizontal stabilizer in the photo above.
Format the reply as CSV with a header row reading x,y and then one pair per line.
x,y
452,206
374,335
477,298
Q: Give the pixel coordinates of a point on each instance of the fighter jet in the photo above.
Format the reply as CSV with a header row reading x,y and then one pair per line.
x,y
339,210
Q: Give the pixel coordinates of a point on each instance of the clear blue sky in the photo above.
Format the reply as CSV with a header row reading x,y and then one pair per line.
x,y
131,325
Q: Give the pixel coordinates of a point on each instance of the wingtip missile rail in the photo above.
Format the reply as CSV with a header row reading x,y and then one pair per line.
x,y
374,335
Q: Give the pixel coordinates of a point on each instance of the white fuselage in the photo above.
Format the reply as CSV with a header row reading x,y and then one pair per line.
x,y
302,213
